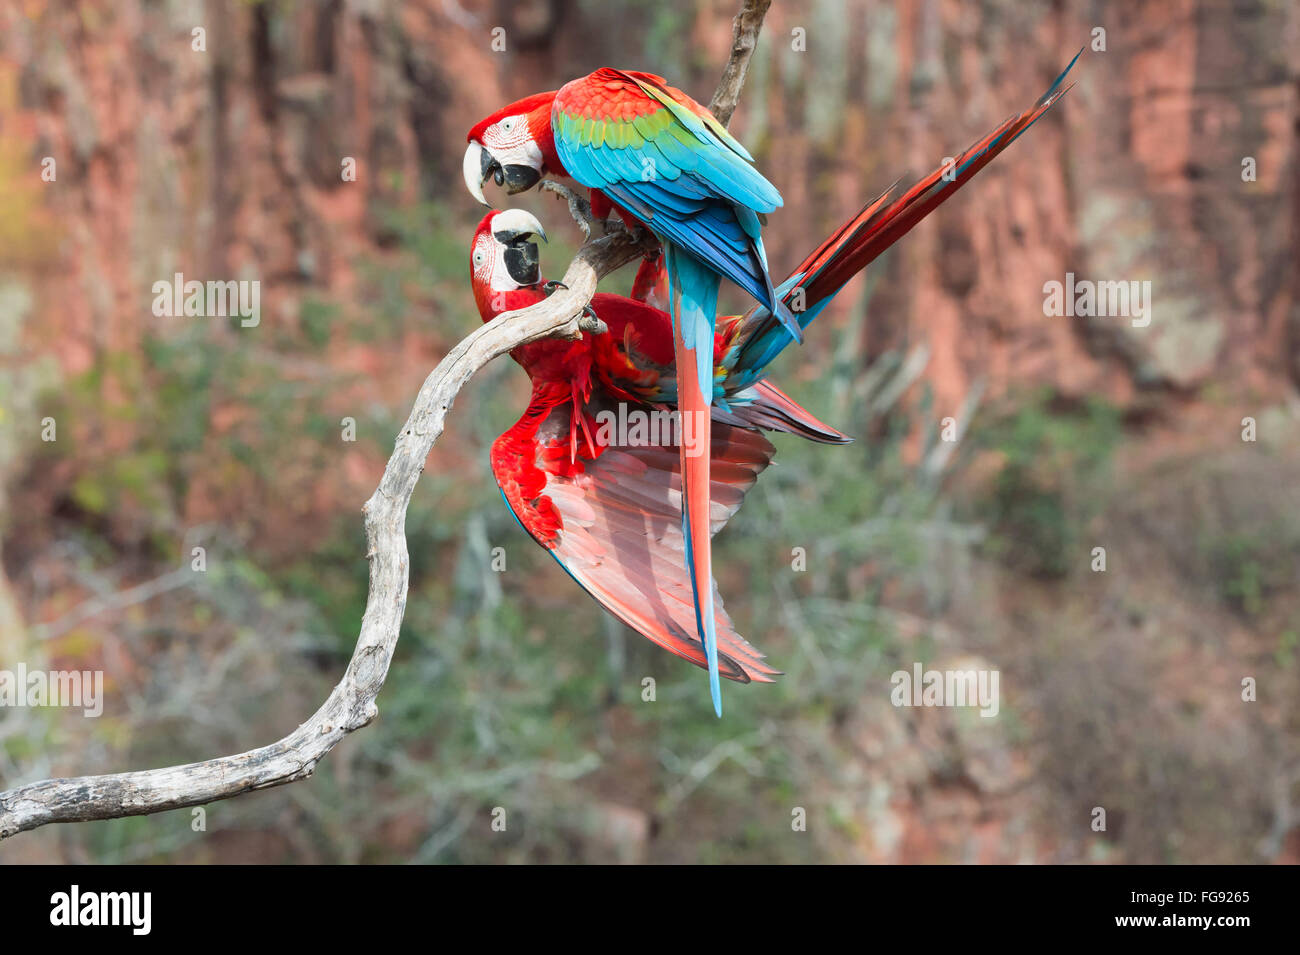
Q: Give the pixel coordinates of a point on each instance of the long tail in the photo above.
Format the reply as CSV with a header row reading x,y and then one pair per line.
x,y
693,305
873,230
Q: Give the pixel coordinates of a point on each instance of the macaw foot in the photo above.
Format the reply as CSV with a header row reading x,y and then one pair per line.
x,y
641,236
579,207
590,321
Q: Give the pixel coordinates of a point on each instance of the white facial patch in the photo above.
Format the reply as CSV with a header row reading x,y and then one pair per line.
x,y
501,280
511,144
483,257
488,260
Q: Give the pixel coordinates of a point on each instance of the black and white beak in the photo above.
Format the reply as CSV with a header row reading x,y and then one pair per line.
x,y
479,166
514,229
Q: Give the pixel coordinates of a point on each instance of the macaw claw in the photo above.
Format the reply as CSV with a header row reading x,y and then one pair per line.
x,y
579,207
589,321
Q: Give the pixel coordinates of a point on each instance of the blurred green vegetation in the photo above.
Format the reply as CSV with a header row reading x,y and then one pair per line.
x,y
512,690
1249,567
506,687
1055,459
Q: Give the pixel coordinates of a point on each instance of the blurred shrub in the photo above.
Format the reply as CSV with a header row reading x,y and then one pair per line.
x,y
1053,459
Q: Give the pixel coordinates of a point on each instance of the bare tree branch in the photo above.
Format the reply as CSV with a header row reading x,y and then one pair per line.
x,y
744,37
351,705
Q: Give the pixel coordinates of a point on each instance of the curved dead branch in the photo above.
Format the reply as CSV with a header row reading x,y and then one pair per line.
x,y
744,37
351,705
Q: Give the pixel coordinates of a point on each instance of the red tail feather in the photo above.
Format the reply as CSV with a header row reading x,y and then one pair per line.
x,y
890,217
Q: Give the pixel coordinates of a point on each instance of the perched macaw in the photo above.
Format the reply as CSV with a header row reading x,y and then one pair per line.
x,y
603,508
664,161
605,500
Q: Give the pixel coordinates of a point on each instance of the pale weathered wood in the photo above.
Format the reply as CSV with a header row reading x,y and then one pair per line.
x,y
744,37
352,705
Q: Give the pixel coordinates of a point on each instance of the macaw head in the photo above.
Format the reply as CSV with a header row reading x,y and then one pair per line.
x,y
504,259
513,146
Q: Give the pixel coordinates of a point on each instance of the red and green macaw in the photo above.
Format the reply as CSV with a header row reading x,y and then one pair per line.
x,y
606,501
664,161
605,507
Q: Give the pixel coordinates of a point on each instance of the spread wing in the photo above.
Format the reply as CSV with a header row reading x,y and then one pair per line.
x,y
612,518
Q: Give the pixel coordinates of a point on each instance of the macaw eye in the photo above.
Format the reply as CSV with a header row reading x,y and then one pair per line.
x,y
478,258
507,125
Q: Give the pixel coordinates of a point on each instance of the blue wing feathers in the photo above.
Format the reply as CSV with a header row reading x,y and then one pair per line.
x,y
691,186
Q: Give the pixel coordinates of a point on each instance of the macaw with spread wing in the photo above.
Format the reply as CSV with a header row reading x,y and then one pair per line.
x,y
592,470
665,162
603,508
